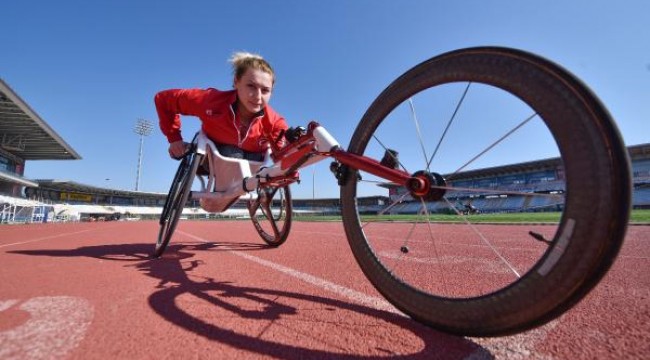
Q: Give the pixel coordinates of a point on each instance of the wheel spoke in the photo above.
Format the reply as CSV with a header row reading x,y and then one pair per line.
x,y
497,191
484,239
453,116
492,145
435,247
268,213
390,206
274,222
373,181
417,130
281,210
386,150
404,245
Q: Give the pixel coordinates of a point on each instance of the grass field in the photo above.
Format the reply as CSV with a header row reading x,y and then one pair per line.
x,y
636,217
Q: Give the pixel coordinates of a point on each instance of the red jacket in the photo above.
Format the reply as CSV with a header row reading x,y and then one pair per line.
x,y
215,108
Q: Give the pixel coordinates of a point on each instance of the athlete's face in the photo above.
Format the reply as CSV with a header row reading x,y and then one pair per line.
x,y
254,89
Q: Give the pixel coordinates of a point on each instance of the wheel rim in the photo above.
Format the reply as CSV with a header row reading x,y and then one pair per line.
x,y
271,214
176,199
422,257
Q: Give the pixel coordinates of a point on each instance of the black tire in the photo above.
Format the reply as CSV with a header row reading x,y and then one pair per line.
x,y
581,248
271,214
176,199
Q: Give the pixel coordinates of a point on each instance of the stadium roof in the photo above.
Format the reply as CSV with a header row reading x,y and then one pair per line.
x,y
641,151
24,134
15,178
506,169
636,152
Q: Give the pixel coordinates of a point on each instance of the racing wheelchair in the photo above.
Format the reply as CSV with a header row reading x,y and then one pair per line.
x,y
464,277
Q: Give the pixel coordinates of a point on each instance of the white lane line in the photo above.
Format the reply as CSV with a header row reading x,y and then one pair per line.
x,y
516,347
521,346
356,296
6,304
46,238
56,325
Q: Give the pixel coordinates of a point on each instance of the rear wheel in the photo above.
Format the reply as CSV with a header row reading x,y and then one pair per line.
x,y
542,142
176,199
271,214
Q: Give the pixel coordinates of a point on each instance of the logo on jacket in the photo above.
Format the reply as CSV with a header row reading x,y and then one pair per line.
x,y
263,142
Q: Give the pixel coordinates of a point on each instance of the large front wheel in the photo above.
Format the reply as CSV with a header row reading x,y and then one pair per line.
x,y
493,131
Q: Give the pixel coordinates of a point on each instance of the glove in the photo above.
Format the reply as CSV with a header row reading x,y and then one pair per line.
x,y
293,134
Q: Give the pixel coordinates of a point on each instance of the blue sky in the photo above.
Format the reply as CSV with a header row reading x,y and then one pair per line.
x,y
91,68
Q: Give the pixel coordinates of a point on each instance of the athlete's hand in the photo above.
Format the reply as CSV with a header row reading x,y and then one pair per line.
x,y
177,149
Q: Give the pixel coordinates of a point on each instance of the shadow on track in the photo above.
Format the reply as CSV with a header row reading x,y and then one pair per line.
x,y
273,309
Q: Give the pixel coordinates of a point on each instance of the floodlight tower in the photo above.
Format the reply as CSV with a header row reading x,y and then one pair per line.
x,y
143,128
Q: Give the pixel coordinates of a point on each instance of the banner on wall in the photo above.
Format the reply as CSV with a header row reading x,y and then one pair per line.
x,y
75,197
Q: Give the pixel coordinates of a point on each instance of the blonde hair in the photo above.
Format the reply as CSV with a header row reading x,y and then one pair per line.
x,y
242,61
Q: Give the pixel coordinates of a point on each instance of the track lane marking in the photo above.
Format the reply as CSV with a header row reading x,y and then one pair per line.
x,y
356,296
520,346
56,326
50,237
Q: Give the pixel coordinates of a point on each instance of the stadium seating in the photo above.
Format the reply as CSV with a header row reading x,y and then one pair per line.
x,y
641,197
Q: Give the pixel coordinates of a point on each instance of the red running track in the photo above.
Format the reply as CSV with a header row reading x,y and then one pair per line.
x,y
90,291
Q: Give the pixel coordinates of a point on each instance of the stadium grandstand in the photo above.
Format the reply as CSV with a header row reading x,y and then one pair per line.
x,y
25,136
504,186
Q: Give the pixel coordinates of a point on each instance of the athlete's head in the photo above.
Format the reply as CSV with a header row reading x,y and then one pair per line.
x,y
253,80
242,61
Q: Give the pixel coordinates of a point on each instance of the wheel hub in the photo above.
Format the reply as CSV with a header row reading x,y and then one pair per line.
x,y
426,185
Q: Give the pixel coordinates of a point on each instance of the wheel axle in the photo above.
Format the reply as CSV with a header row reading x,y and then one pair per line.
x,y
426,185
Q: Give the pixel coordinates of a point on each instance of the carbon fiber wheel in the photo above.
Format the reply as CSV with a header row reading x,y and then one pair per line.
x,y
500,113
